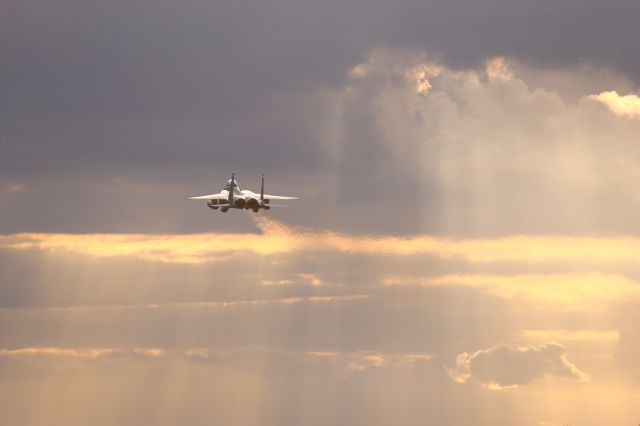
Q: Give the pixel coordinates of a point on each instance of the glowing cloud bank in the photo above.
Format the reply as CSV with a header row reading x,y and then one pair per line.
x,y
277,238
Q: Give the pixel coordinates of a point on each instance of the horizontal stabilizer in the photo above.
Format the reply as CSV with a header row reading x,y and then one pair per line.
x,y
209,197
279,197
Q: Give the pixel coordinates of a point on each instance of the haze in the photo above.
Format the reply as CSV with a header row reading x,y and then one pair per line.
x,y
465,249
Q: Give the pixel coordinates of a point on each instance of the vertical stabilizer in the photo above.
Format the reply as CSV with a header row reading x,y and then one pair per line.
x,y
262,190
232,188
263,204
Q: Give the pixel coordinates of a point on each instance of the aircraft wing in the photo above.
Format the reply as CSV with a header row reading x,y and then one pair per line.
x,y
278,197
217,196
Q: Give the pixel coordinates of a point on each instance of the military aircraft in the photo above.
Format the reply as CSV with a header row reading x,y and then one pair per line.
x,y
232,197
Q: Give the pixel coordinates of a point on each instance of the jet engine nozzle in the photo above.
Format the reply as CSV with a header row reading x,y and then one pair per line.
x,y
252,203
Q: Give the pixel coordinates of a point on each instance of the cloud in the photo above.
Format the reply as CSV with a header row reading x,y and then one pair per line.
x,y
505,366
300,278
467,152
273,360
498,69
571,335
197,305
624,106
82,353
429,165
387,65
317,362
473,152
277,238
567,289
16,188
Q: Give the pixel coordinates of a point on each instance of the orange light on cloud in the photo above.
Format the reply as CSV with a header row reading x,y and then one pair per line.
x,y
622,105
82,353
277,238
189,305
570,289
571,335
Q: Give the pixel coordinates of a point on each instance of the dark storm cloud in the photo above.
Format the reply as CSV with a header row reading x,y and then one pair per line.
x,y
70,67
217,59
106,109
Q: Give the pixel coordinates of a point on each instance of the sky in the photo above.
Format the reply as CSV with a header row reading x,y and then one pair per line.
x,y
464,250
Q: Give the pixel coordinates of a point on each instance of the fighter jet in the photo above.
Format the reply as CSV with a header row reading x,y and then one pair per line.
x,y
232,197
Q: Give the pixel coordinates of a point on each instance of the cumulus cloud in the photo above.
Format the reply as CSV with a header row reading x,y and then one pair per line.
x,y
476,151
386,66
468,152
623,105
498,69
505,366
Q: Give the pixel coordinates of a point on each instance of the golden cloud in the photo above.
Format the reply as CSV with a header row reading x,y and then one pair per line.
x,y
277,238
498,69
300,278
363,358
570,289
82,353
345,363
625,106
560,335
227,304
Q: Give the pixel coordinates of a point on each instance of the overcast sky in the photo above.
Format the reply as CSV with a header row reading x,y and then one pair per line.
x,y
464,248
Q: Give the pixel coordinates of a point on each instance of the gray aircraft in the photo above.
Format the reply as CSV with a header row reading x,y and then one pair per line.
x,y
232,197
